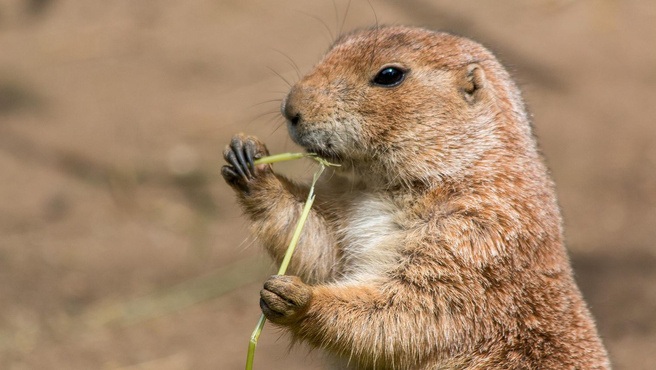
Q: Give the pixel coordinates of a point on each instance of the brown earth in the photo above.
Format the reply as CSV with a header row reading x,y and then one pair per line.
x,y
120,246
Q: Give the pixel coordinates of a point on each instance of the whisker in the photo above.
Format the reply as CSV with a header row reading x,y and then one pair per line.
x,y
375,15
336,19
265,102
290,61
373,52
262,115
278,126
348,6
325,25
279,75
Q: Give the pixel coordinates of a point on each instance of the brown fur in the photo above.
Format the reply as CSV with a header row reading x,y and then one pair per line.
x,y
438,244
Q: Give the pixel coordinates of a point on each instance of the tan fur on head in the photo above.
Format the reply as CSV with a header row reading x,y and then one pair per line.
x,y
448,102
443,249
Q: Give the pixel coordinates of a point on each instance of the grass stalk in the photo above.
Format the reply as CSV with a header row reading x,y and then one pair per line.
x,y
295,237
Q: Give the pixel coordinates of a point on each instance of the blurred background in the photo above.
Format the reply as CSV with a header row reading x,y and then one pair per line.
x,y
122,248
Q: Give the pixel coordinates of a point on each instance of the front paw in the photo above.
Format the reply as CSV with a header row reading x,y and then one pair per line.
x,y
285,299
241,153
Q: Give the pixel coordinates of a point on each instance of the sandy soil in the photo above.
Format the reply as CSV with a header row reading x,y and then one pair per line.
x,y
120,246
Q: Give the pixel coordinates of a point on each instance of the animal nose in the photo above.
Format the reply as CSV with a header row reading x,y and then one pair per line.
x,y
289,108
294,120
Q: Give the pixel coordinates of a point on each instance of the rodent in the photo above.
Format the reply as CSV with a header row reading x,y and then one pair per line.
x,y
438,244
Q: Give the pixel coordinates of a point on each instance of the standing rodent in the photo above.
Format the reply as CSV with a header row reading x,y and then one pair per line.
x,y
438,244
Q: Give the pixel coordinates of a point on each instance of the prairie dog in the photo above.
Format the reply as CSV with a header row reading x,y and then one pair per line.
x,y
438,243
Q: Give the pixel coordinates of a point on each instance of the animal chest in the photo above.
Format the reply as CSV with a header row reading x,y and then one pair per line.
x,y
370,237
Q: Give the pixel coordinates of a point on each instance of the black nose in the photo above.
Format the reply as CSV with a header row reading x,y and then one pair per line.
x,y
294,120
289,112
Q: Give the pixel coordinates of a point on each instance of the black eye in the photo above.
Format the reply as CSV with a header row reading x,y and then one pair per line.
x,y
389,77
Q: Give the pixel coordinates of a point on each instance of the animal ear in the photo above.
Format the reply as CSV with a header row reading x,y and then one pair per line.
x,y
472,80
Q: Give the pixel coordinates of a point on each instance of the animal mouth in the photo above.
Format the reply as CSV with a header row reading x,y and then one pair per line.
x,y
318,142
325,153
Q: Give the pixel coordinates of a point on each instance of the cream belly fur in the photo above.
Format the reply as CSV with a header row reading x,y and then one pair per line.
x,y
370,237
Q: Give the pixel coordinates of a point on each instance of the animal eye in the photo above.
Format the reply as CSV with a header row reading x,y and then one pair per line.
x,y
389,77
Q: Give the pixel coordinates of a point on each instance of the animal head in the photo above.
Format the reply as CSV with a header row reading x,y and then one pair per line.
x,y
399,105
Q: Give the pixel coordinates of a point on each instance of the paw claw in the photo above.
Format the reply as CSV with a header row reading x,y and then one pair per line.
x,y
249,149
229,174
231,157
237,145
240,155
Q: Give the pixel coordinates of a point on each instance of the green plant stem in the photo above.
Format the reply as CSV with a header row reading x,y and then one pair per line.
x,y
253,342
292,244
291,156
280,157
301,223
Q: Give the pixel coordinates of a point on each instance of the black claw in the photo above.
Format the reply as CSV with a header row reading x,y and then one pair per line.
x,y
244,165
232,158
236,144
249,149
238,148
229,174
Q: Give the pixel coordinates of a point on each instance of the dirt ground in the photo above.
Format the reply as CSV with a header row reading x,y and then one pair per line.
x,y
120,245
